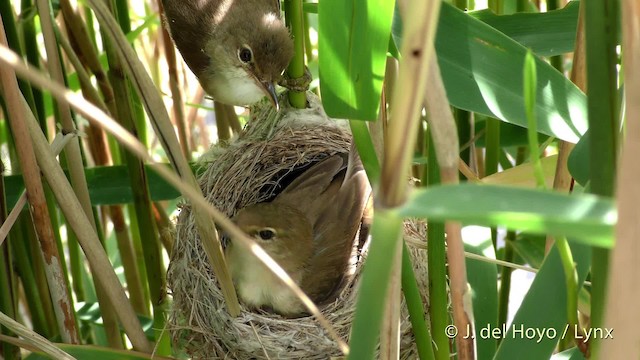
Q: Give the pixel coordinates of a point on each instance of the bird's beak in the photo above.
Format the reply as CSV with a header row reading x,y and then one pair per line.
x,y
270,89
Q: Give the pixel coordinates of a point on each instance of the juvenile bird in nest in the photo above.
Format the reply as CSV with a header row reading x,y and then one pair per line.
x,y
237,49
308,229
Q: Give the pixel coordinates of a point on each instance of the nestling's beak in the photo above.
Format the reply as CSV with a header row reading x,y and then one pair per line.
x,y
270,89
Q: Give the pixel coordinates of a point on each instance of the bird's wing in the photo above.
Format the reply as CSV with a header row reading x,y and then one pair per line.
x,y
335,229
190,23
311,183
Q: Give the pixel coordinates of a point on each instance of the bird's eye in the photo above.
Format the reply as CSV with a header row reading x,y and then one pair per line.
x,y
267,234
245,55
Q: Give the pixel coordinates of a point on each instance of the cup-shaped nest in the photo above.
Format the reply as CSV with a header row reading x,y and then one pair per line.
x,y
251,169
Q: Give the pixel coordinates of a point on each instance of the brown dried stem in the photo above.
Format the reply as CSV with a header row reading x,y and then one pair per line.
x,y
562,178
62,304
445,136
622,312
174,85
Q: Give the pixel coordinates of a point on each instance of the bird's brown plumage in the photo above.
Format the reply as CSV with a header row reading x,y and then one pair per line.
x,y
210,33
316,219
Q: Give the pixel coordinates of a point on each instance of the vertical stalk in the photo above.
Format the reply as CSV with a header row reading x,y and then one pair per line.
x,y
80,224
72,151
308,48
437,269
416,310
505,281
505,272
63,306
566,257
294,20
142,202
562,180
33,57
492,134
445,139
222,123
37,299
174,85
622,314
7,278
601,26
408,100
556,61
100,152
6,11
463,117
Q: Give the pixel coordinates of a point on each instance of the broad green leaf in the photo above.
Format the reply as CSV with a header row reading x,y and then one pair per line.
x,y
546,34
352,47
482,72
543,310
108,185
98,353
587,218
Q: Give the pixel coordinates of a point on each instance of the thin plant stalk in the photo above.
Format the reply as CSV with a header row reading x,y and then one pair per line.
x,y
174,85
446,144
492,134
601,25
164,130
505,281
437,269
7,279
464,118
29,37
295,21
6,11
562,180
407,103
88,239
37,299
416,308
73,155
307,35
222,122
38,207
568,265
390,329
142,201
101,156
557,60
621,313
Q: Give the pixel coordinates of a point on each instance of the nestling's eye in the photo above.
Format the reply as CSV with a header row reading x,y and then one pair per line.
x,y
267,234
245,55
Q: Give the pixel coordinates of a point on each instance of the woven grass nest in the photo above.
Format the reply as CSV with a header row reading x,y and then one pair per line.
x,y
249,170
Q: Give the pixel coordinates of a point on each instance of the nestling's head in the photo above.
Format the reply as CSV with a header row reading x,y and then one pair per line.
x,y
282,231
